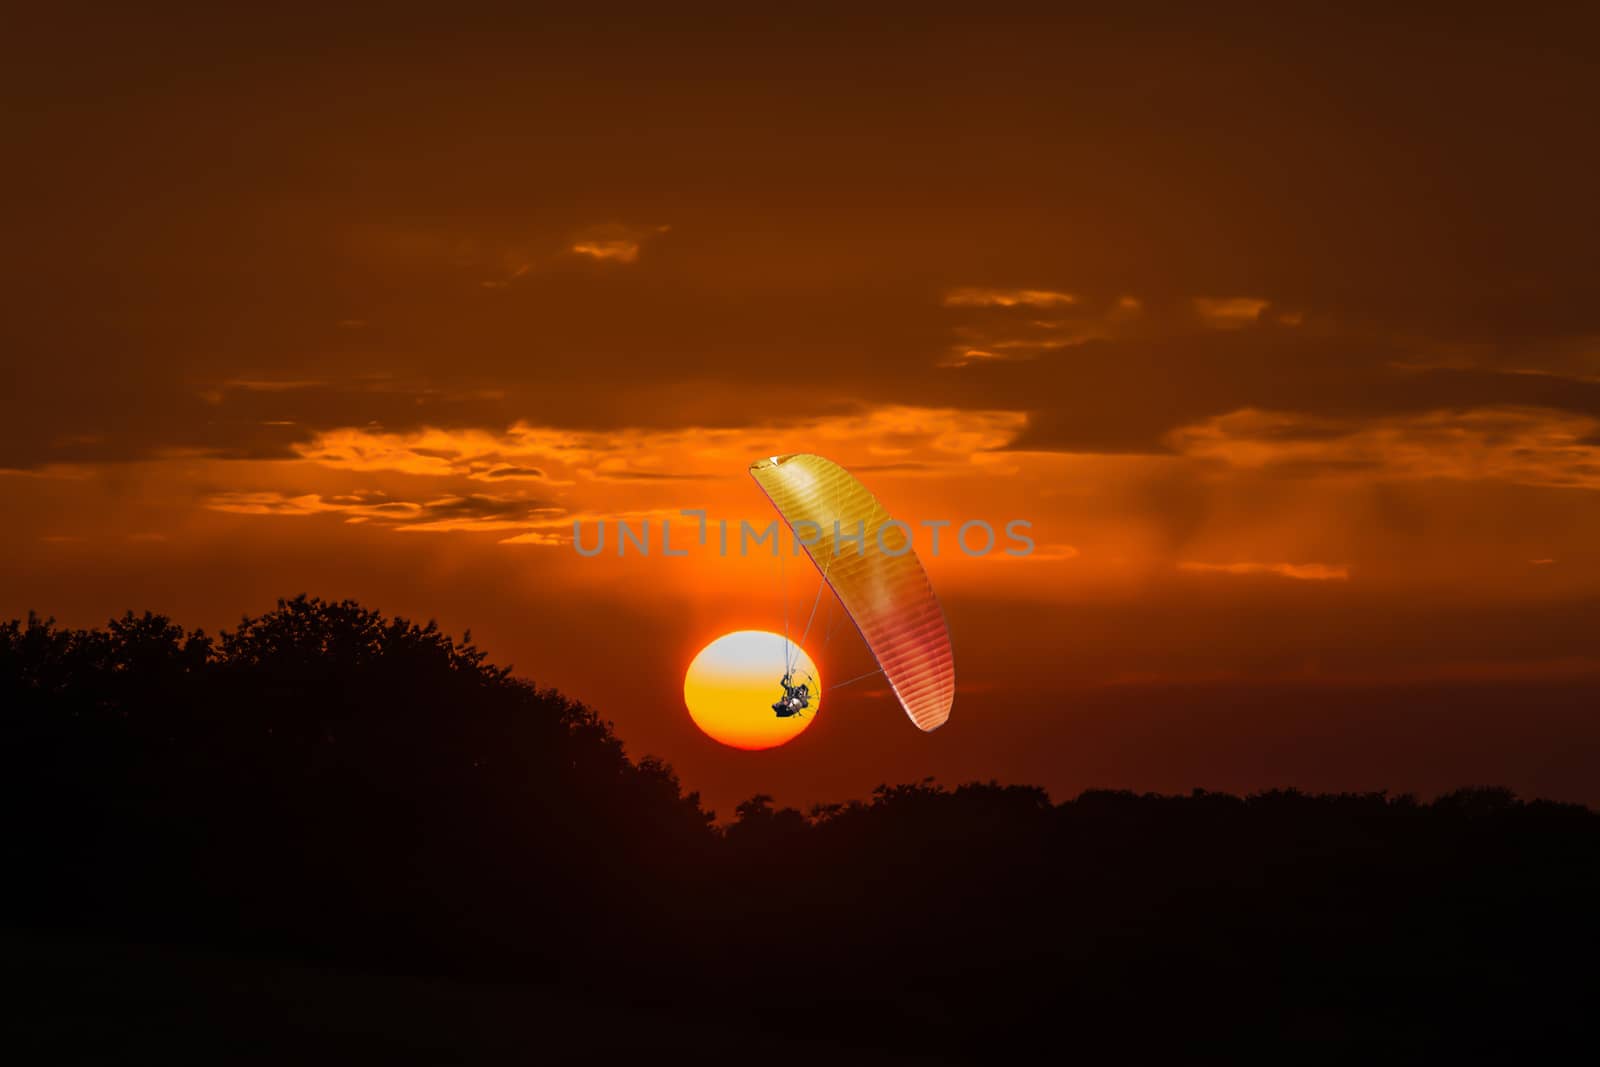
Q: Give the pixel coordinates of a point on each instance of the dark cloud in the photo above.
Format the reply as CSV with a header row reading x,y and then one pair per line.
x,y
472,511
1399,191
647,476
1129,395
479,506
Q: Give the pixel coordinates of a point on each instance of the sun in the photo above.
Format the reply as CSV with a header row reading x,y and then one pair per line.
x,y
731,685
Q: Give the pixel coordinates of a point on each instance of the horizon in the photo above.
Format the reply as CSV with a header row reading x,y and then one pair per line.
x,y
1266,698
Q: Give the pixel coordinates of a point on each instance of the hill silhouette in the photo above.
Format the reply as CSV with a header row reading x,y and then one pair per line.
x,y
327,786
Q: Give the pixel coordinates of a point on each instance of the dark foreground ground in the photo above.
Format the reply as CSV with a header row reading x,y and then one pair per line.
x,y
78,998
329,836
85,1000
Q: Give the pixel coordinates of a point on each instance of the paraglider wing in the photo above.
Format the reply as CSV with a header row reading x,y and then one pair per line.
x,y
887,595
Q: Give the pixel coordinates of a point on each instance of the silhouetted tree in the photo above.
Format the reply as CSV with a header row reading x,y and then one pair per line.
x,y
326,780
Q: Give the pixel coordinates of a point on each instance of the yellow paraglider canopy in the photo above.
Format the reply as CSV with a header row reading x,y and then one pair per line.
x,y
867,559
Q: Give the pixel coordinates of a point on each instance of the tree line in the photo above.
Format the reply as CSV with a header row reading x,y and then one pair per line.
x,y
329,782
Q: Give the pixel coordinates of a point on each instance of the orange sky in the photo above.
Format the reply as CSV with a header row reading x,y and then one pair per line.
x,y
1284,338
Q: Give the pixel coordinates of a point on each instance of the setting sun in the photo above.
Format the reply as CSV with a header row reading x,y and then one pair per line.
x,y
731,685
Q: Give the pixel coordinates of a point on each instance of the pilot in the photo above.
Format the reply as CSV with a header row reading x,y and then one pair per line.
x,y
796,698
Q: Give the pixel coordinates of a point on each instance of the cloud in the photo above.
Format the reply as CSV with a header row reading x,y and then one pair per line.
x,y
892,433
432,478
1229,313
615,243
472,453
472,512
1005,325
270,385
620,251
510,471
962,356
513,271
553,529
1017,348
1527,446
278,502
546,538
477,511
1007,298
499,258
1306,572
